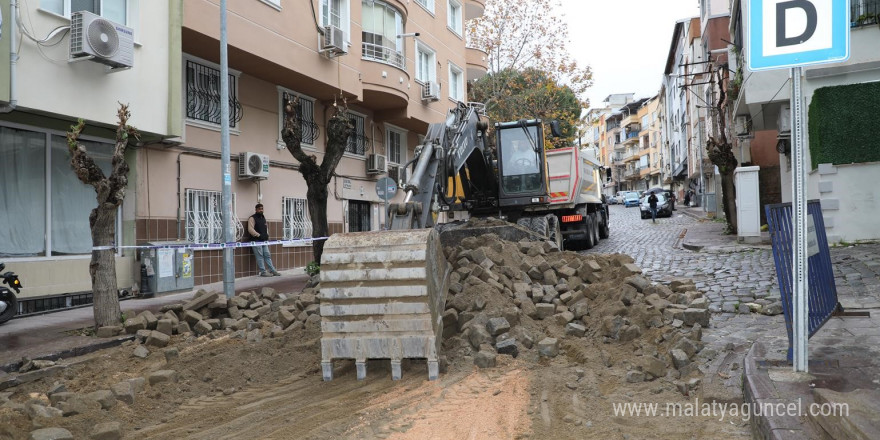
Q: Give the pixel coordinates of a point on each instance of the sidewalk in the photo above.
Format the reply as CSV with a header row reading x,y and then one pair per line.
x,y
49,336
844,366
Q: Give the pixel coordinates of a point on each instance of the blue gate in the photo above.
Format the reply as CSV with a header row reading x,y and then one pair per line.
x,y
822,295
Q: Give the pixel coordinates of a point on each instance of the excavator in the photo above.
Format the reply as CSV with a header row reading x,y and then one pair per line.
x,y
383,292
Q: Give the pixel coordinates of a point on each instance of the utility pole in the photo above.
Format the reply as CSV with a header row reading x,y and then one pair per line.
x,y
226,198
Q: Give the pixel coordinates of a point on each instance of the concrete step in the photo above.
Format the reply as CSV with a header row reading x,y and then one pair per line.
x,y
863,420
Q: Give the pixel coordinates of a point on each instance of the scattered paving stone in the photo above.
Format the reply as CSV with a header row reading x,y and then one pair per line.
x,y
51,434
106,431
548,347
162,376
140,352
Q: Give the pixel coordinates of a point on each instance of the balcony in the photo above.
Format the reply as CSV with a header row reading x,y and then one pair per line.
x,y
611,125
477,63
631,137
383,54
474,9
384,87
864,13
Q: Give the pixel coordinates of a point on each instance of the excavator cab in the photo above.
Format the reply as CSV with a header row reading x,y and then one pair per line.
x,y
521,163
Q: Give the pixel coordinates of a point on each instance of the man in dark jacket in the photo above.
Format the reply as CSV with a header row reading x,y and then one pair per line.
x,y
259,231
652,202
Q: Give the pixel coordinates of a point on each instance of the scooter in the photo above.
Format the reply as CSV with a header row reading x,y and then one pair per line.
x,y
8,303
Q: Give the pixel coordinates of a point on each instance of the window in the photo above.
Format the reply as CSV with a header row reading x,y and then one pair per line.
x,y
456,83
307,115
381,26
335,13
203,95
396,145
204,216
113,10
357,142
425,62
427,4
358,216
297,223
453,16
37,222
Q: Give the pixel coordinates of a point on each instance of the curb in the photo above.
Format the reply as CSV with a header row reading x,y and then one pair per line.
x,y
691,247
70,352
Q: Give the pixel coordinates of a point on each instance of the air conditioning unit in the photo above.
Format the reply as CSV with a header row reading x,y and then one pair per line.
x,y
98,39
253,166
333,41
783,123
741,125
376,164
397,173
431,91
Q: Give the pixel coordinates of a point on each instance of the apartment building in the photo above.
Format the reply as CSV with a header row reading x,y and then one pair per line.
x,y
58,76
397,65
841,98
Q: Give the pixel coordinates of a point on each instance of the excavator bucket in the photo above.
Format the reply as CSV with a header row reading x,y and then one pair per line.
x,y
382,297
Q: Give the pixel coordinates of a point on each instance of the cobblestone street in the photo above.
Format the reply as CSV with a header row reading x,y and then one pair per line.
x,y
728,278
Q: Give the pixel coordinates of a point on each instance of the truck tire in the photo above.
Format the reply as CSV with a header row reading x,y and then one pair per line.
x,y
541,226
588,242
604,231
595,218
554,230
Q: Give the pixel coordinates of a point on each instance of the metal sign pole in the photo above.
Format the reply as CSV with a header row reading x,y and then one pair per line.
x,y
799,219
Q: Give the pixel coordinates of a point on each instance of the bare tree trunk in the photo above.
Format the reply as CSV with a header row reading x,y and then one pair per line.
x,y
109,192
317,177
103,266
728,189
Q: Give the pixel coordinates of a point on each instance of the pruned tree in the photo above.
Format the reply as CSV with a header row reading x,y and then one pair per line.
x,y
518,34
531,93
720,150
317,176
109,191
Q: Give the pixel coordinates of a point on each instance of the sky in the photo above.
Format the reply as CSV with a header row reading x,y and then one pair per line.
x,y
625,42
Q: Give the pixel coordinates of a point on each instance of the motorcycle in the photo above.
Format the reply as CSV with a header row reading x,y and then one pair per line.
x,y
8,303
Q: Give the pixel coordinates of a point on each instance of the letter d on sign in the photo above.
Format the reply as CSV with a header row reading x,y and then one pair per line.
x,y
781,15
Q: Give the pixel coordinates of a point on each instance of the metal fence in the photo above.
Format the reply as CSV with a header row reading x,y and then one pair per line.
x,y
864,12
822,294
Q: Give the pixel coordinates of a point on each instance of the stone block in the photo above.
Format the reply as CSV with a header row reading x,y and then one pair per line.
x,y
200,301
679,358
140,352
635,377
699,303
639,282
653,367
165,326
78,404
564,318
192,317
162,376
218,304
529,309
550,278
629,333
485,359
632,269
183,328
548,347
227,323
497,326
202,328
132,325
149,319
171,354
37,411
575,329
214,323
286,318
545,310
104,397
579,309
108,331
478,335
50,434
696,316
687,346
106,431
157,339
508,347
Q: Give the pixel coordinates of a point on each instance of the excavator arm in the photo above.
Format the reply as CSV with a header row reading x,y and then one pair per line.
x,y
454,148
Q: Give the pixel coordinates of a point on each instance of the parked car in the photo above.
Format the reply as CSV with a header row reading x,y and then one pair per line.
x,y
631,199
612,200
664,208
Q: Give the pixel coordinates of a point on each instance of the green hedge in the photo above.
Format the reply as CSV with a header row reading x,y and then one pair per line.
x,y
845,124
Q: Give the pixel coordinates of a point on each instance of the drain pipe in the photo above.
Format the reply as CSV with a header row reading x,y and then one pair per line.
x,y
259,191
7,107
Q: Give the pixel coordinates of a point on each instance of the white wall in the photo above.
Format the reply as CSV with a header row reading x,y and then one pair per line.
x,y
48,82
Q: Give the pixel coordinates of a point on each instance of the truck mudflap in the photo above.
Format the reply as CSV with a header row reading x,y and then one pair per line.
x,y
382,297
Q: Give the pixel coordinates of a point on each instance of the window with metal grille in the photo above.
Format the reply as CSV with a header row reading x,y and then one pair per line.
x,y
358,216
297,223
357,142
306,114
203,95
204,217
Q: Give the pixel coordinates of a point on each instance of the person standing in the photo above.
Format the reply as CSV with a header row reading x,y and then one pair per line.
x,y
652,202
671,197
259,232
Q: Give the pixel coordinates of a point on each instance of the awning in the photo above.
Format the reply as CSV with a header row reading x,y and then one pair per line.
x,y
681,168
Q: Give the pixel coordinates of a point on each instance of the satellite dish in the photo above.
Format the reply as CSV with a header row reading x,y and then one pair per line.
x,y
103,38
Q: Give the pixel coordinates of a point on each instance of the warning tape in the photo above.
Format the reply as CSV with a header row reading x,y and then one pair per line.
x,y
232,244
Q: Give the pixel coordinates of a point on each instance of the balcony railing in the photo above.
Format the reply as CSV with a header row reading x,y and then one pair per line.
x,y
864,12
382,54
611,125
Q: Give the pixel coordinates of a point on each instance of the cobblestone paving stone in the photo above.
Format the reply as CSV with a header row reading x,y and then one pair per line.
x,y
727,278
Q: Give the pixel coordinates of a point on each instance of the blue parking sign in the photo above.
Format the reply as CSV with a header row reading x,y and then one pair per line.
x,y
791,33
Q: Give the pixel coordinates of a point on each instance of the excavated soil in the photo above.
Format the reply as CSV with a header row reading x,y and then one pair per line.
x,y
231,386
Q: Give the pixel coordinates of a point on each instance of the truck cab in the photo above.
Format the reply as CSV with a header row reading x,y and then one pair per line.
x,y
522,171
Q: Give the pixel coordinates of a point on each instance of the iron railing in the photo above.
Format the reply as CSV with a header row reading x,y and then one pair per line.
x,y
864,12
203,95
297,223
383,54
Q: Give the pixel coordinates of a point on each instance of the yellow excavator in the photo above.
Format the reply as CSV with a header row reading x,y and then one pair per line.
x,y
383,292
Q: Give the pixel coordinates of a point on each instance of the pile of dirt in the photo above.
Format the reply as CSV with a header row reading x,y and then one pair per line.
x,y
568,335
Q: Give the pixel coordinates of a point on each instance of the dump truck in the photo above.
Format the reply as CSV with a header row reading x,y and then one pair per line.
x,y
383,292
